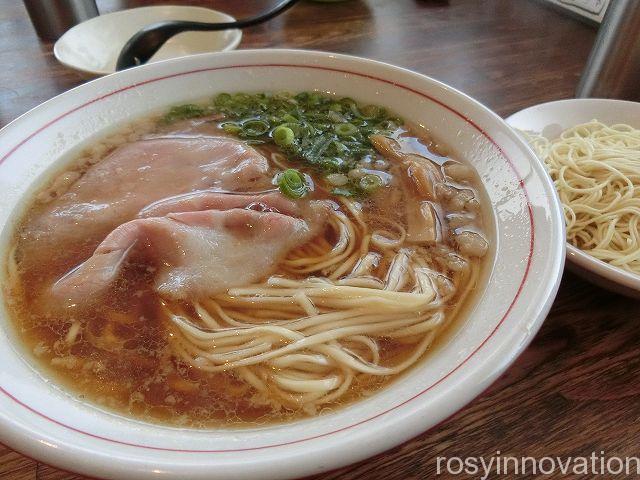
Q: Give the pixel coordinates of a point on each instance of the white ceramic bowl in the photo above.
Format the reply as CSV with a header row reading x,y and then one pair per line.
x,y
43,422
550,119
92,47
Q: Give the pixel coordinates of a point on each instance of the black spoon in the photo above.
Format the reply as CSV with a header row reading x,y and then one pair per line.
x,y
144,44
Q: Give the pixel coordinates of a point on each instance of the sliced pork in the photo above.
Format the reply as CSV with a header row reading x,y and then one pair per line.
x,y
207,200
134,175
196,254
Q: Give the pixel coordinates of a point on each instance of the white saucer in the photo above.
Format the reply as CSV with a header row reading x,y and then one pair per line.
x,y
92,47
550,119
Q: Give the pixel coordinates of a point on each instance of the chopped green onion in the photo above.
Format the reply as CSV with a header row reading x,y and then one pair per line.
x,y
345,129
315,98
292,184
318,148
302,97
335,117
255,128
340,147
231,127
347,102
372,111
222,99
295,127
329,135
334,164
370,183
181,112
283,136
242,97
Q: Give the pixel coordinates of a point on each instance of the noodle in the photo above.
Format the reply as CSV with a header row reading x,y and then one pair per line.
x,y
596,168
311,337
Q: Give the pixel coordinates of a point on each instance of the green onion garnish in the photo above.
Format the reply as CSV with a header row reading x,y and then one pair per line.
x,y
325,134
181,112
372,111
370,183
283,136
231,127
255,128
222,99
345,129
292,184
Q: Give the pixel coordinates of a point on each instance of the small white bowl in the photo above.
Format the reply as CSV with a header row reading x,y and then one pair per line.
x,y
550,119
522,274
92,47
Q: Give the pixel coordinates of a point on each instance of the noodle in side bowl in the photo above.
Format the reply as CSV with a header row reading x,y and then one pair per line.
x,y
591,149
596,169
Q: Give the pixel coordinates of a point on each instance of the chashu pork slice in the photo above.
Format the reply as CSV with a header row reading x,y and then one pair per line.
x,y
196,254
114,190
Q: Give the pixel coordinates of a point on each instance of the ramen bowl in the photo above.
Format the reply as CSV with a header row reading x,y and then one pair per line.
x,y
521,275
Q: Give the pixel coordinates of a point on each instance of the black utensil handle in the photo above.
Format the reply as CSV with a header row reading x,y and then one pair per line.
x,y
129,57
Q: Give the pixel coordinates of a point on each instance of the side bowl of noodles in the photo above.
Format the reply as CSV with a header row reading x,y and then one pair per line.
x,y
483,241
592,148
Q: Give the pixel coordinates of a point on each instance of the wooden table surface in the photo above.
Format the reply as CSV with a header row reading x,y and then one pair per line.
x,y
575,389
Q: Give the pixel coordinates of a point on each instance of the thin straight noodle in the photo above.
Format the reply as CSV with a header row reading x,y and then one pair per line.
x,y
596,170
306,340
